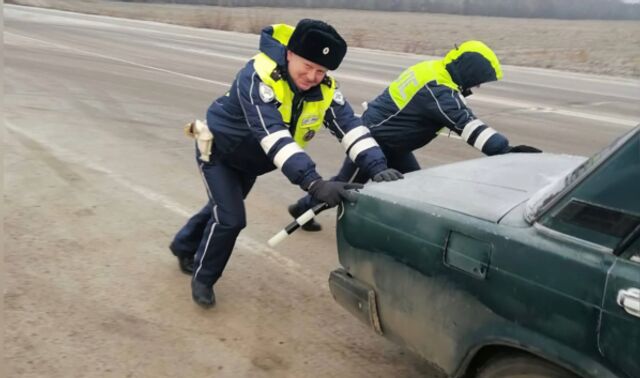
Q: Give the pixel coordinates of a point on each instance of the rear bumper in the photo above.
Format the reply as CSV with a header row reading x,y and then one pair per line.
x,y
356,297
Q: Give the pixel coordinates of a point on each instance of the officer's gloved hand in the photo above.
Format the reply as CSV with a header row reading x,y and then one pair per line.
x,y
332,192
388,174
523,148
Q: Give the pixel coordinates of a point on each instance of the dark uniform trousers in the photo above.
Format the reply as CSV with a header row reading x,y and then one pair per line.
x,y
403,161
211,234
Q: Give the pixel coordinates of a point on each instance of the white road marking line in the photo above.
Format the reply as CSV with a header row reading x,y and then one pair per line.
x,y
582,91
122,23
482,98
85,52
549,72
245,242
561,111
237,58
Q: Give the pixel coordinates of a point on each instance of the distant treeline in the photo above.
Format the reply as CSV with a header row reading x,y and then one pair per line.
x,y
563,9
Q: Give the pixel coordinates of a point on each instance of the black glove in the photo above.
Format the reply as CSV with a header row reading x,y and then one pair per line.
x,y
388,174
332,192
523,148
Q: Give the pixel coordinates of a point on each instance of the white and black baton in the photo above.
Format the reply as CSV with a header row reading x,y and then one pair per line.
x,y
291,227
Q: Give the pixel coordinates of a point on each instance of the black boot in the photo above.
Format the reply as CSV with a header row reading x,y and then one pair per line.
x,y
202,294
311,225
185,263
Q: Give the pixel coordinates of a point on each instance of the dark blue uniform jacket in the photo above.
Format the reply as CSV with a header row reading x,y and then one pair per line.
x,y
240,119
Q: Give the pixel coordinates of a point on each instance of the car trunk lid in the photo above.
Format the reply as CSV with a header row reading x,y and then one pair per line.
x,y
485,188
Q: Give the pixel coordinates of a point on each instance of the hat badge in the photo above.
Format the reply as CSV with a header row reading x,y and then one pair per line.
x,y
325,51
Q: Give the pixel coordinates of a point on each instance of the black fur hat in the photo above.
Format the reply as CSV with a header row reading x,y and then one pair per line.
x,y
318,42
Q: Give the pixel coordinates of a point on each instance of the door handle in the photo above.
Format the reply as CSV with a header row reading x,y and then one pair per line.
x,y
629,299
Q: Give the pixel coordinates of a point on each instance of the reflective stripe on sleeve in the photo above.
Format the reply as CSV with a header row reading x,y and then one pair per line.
x,y
285,153
352,135
470,127
360,146
484,137
271,139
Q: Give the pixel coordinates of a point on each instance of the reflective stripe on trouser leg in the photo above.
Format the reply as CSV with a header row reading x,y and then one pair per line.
x,y
227,189
187,240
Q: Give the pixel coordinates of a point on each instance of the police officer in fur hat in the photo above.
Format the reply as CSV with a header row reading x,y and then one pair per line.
x,y
277,103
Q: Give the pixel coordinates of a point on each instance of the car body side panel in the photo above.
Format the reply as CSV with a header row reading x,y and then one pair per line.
x,y
410,307
443,312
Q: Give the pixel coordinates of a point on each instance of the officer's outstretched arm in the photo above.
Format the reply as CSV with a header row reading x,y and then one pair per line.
x,y
477,134
454,113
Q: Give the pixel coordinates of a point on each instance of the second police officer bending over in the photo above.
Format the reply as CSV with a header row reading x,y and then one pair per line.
x,y
425,98
276,104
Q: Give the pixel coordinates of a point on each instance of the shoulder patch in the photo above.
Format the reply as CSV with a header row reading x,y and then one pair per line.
x,y
327,81
338,97
276,74
266,93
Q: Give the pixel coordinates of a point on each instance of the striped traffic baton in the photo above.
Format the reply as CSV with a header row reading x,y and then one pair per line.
x,y
302,219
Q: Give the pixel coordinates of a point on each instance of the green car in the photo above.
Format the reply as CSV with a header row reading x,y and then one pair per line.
x,y
512,265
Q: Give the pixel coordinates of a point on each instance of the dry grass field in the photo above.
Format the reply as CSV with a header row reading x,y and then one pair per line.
x,y
601,47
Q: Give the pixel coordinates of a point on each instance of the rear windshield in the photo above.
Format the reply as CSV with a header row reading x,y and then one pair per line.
x,y
548,195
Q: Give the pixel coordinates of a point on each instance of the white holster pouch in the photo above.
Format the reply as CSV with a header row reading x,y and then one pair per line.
x,y
203,136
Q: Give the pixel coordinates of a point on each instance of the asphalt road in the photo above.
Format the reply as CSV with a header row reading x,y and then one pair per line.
x,y
98,178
